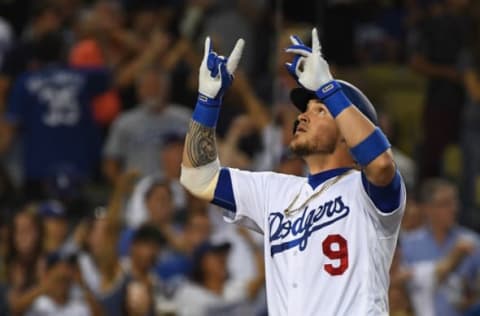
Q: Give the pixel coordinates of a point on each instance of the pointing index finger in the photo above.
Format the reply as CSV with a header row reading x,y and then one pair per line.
x,y
315,41
207,49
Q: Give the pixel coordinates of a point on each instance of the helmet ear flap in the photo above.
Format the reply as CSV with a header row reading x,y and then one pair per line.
x,y
295,124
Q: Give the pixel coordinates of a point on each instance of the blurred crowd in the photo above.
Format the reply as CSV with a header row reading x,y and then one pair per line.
x,y
95,101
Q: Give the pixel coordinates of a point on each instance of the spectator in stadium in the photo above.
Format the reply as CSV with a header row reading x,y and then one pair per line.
x,y
398,298
470,134
435,240
210,291
224,20
45,18
229,148
25,260
147,242
88,53
50,109
174,263
99,261
139,300
414,287
103,39
470,127
136,137
65,293
153,198
252,139
437,47
157,206
413,218
55,227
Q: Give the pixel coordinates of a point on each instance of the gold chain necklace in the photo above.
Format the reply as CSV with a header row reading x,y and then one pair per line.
x,y
290,212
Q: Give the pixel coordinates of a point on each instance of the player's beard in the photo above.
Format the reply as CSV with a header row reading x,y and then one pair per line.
x,y
311,147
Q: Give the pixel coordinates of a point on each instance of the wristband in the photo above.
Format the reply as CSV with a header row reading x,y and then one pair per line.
x,y
207,110
370,148
333,97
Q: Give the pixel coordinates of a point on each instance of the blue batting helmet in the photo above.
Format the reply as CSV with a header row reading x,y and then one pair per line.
x,y
301,96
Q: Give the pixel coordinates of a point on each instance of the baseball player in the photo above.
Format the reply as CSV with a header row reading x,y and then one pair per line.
x,y
329,238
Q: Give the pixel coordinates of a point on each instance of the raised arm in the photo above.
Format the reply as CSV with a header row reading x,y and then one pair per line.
x,y
463,248
423,66
368,145
200,165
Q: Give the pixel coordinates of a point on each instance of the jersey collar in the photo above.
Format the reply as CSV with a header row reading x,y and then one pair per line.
x,y
316,179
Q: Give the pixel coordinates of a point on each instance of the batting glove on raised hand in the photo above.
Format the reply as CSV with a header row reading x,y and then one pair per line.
x,y
298,60
308,66
216,72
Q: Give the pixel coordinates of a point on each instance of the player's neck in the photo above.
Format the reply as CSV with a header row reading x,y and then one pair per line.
x,y
322,162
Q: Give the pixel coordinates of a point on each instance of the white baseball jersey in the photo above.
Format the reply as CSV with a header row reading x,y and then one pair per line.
x,y
330,258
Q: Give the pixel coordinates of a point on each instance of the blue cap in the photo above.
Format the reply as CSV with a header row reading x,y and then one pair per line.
x,y
51,209
301,96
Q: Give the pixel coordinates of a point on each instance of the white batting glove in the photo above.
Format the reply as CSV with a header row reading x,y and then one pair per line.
x,y
216,72
309,68
214,77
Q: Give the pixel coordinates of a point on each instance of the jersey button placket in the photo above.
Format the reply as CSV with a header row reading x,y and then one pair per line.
x,y
292,283
295,290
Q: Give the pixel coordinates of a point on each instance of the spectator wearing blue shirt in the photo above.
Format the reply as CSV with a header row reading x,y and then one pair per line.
x,y
436,239
156,205
50,109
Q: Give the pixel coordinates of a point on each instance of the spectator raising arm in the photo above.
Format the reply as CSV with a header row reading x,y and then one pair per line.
x,y
445,266
108,263
122,188
421,65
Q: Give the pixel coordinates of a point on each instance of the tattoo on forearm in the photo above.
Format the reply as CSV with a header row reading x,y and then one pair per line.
x,y
201,147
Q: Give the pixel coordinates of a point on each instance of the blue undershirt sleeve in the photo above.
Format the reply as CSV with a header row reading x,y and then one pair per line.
x,y
223,195
386,198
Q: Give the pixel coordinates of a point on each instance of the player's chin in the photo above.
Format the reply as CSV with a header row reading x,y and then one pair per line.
x,y
294,142
299,147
